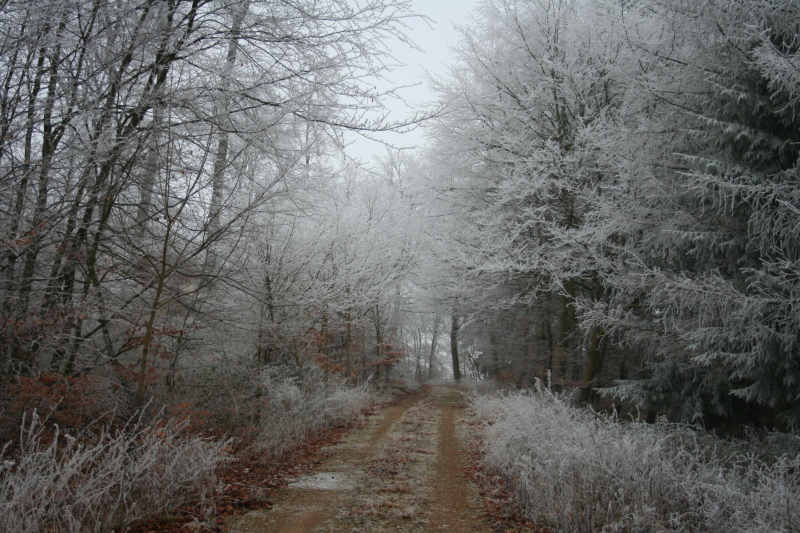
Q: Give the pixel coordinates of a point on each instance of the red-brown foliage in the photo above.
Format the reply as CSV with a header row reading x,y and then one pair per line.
x,y
68,401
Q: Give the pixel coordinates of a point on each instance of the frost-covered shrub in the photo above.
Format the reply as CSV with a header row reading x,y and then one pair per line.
x,y
573,470
294,408
71,485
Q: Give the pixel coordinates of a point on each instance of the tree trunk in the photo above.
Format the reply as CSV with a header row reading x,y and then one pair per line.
x,y
434,345
151,171
147,342
493,368
454,348
348,338
567,320
225,125
378,340
418,354
593,362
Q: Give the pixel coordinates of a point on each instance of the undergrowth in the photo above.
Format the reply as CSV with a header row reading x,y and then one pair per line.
x,y
72,474
57,482
575,470
296,408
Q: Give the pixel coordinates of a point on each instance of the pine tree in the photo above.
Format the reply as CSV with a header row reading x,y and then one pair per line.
x,y
709,290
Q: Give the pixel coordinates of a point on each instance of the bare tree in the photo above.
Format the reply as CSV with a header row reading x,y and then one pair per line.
x,y
133,166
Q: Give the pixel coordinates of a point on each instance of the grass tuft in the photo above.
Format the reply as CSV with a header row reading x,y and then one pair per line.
x,y
296,409
93,483
574,470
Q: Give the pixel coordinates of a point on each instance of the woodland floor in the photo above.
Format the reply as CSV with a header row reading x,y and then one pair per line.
x,y
404,471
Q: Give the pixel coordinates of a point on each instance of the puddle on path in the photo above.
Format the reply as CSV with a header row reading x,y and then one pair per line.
x,y
400,474
324,481
310,502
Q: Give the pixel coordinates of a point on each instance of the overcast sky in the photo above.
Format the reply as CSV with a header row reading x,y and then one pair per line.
x,y
434,38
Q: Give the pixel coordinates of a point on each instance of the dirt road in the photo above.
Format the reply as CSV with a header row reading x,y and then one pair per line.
x,y
399,473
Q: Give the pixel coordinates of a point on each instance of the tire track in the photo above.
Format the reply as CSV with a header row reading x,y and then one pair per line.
x,y
308,502
455,512
401,473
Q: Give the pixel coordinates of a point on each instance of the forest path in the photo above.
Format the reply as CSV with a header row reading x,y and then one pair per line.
x,y
399,473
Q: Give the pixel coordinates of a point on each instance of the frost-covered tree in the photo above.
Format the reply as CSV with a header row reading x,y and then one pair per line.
x,y
328,278
703,216
141,140
531,81
629,171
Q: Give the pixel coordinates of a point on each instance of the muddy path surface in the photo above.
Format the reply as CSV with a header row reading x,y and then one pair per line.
x,y
401,472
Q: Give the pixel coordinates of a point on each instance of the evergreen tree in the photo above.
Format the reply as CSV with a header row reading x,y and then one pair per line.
x,y
708,286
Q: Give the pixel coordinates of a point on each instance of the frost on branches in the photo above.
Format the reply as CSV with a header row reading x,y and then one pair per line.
x,y
634,176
